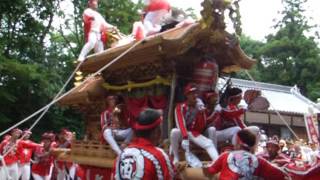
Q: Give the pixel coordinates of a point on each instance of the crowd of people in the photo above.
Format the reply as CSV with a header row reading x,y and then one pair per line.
x,y
205,120
202,120
22,157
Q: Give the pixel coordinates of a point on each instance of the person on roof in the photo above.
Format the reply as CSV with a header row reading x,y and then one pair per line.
x,y
116,124
242,163
191,122
154,13
142,159
95,28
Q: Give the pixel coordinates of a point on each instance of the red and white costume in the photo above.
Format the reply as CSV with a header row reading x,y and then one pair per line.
x,y
155,12
280,160
231,116
221,134
112,131
230,123
11,159
95,28
244,165
42,167
25,149
64,167
142,160
205,75
191,123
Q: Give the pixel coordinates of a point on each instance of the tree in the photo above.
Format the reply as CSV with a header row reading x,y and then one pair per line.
x,y
289,56
37,58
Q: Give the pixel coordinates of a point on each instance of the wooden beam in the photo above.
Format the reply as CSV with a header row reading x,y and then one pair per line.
x,y
171,108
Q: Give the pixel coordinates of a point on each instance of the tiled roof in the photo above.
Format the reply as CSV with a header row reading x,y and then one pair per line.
x,y
282,98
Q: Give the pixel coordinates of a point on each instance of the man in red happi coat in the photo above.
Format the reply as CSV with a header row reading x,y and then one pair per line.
x,y
116,124
191,122
142,159
43,163
274,154
242,163
25,149
231,114
64,169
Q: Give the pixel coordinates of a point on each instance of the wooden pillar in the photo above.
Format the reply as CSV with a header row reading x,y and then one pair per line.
x,y
269,122
171,108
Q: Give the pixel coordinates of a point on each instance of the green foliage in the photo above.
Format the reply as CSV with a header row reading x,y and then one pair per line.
x,y
37,58
289,56
122,13
34,63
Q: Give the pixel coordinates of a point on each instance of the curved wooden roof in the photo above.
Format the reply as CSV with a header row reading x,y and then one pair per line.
x,y
157,52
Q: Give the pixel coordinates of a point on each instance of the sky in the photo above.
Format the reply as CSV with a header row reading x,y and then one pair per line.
x,y
257,15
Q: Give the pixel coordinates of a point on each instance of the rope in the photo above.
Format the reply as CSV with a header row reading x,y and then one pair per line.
x,y
277,112
57,98
39,118
57,95
67,93
47,107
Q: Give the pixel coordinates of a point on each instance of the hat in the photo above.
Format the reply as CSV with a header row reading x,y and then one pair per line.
x,y
148,119
233,92
190,88
246,138
142,127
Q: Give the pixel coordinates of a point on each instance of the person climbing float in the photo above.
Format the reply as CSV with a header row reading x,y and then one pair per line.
x,y
95,29
191,124
142,159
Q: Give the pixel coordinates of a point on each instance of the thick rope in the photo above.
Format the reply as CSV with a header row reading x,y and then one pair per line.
x,y
57,98
39,118
47,107
67,93
57,95
277,112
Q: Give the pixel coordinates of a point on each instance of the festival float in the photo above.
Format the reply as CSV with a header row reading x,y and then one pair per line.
x,y
151,72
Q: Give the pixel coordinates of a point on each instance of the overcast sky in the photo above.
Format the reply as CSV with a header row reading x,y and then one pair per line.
x,y
257,15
